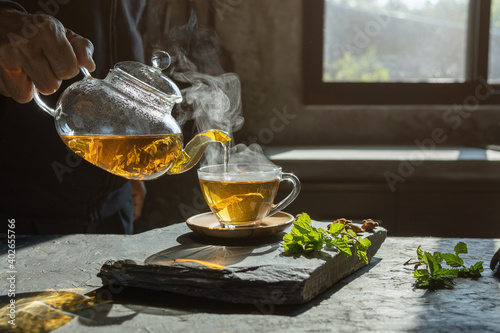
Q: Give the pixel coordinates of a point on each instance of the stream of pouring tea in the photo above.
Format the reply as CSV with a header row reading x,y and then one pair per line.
x,y
226,156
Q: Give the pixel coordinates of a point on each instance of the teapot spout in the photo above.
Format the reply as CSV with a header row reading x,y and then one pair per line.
x,y
194,150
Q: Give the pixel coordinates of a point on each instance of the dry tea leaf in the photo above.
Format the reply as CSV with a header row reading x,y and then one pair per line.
x,y
369,225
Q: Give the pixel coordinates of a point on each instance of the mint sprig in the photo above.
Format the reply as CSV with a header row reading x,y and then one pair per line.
x,y
435,276
305,238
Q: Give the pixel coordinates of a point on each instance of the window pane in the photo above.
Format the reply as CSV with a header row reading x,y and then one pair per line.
x,y
494,56
395,40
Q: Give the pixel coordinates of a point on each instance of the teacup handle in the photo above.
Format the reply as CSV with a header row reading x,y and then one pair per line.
x,y
45,107
288,200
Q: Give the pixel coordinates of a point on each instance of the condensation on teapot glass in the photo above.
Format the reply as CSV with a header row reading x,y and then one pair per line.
x,y
123,123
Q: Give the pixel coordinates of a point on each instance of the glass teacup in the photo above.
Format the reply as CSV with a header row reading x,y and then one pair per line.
x,y
242,195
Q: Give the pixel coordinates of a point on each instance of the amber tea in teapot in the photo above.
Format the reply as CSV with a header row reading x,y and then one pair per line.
x,y
123,123
132,157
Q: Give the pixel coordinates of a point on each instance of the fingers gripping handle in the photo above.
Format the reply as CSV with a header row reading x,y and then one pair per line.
x,y
288,200
41,103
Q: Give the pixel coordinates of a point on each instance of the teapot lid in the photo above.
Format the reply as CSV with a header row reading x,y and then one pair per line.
x,y
151,78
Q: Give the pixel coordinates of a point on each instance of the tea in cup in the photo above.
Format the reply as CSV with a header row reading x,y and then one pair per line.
x,y
242,195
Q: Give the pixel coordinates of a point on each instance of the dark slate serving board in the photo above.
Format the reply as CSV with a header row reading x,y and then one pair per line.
x,y
237,271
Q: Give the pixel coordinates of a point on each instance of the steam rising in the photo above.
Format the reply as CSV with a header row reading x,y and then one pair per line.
x,y
215,101
212,98
252,154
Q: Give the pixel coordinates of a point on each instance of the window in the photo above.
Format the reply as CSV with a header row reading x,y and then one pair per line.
x,y
401,51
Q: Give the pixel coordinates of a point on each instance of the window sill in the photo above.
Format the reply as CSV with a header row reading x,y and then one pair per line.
x,y
379,164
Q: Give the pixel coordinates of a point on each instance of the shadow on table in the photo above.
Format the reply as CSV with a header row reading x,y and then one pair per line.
x,y
26,240
472,304
164,303
46,311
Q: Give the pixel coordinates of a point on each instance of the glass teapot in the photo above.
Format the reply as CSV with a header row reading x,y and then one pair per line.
x,y
123,124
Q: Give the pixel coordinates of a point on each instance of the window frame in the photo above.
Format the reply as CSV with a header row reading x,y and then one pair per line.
x,y
317,92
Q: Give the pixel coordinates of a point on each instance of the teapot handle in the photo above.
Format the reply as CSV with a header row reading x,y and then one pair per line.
x,y
45,107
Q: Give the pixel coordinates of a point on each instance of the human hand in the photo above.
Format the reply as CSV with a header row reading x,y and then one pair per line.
x,y
37,49
138,195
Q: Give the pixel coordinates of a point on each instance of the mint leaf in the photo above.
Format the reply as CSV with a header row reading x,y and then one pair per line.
x,y
438,256
313,236
460,248
435,276
321,230
342,247
447,273
421,273
305,238
453,260
432,263
364,243
422,283
303,224
295,233
420,253
476,269
352,233
310,247
288,238
293,248
422,276
335,229
348,238
361,253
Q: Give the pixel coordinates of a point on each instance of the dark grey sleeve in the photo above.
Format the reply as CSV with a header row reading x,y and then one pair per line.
x,y
11,4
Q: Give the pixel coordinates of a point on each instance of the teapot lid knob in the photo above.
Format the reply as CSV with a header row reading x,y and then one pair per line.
x,y
160,59
151,78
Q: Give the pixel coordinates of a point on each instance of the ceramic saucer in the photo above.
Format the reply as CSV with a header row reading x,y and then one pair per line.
x,y
208,225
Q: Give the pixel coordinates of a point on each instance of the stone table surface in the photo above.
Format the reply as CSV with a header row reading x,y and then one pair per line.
x,y
380,297
243,270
